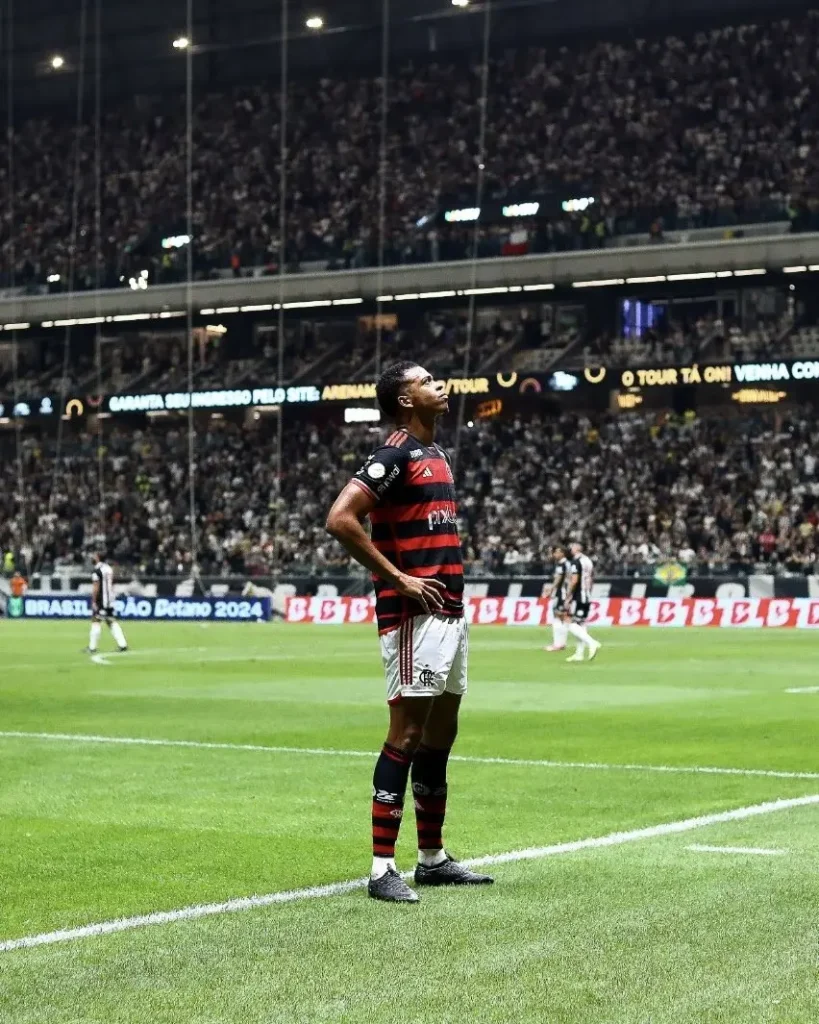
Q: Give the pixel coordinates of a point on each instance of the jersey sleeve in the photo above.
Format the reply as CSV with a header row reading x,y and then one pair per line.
x,y
383,471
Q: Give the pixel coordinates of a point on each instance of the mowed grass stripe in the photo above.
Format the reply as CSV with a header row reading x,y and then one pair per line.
x,y
145,741
336,888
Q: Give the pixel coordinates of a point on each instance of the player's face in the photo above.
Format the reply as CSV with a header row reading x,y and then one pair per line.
x,y
576,549
425,393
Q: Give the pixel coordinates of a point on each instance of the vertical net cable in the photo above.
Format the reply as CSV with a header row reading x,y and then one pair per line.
x,y
479,186
194,532
283,84
382,179
98,257
56,476
22,512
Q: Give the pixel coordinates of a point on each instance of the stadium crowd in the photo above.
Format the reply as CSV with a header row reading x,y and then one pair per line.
x,y
718,127
719,495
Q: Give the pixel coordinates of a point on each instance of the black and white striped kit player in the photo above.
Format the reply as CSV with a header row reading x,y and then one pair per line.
x,y
102,606
103,578
581,577
581,580
559,595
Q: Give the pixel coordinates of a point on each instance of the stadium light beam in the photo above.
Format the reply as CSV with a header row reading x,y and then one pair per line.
x,y
181,43
315,22
460,3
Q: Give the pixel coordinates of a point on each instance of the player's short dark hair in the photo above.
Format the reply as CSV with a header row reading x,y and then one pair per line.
x,y
389,386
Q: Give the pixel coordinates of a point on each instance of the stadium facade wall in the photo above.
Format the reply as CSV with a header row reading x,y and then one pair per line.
x,y
722,588
614,266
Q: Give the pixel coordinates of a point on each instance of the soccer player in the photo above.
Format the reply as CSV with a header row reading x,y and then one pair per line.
x,y
406,489
557,592
581,577
256,592
102,605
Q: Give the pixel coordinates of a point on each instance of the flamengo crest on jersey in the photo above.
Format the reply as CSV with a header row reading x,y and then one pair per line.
x,y
414,524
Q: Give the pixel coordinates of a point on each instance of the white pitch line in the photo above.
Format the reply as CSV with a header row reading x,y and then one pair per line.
x,y
665,769
336,888
803,689
756,851
100,659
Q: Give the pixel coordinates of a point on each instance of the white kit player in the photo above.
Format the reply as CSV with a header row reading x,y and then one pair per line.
x,y
102,606
581,578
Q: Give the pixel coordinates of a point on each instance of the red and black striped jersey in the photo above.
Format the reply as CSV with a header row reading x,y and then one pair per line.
x,y
414,524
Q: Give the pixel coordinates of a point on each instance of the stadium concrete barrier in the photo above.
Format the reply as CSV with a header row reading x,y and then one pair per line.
x,y
745,613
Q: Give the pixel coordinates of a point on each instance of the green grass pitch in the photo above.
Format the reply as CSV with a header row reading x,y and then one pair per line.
x,y
644,932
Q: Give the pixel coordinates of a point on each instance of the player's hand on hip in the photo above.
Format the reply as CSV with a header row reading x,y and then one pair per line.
x,y
429,593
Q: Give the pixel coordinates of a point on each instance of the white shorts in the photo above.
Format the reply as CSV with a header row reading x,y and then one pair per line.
x,y
425,657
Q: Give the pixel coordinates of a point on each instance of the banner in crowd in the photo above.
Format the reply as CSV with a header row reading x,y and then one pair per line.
x,y
186,609
261,393
798,613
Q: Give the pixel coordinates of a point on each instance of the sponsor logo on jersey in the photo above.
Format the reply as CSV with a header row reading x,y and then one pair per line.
x,y
416,453
386,483
442,517
427,472
376,470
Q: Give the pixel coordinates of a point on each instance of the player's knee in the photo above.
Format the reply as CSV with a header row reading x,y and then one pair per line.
x,y
406,737
440,735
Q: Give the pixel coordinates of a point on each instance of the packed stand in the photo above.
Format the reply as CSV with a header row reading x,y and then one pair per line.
x,y
718,127
440,342
653,347
738,494
733,494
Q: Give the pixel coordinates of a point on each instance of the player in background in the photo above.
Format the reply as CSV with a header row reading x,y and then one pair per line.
x,y
557,592
581,577
19,585
406,489
102,606
255,592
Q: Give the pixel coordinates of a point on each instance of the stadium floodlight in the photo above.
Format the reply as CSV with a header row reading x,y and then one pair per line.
x,y
315,22
521,210
469,213
460,3
181,43
57,62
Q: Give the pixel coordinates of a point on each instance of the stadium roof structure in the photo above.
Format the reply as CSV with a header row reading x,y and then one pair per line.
x,y
47,44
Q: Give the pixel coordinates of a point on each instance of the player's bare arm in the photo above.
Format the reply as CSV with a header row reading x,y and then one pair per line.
x,y
345,523
553,586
